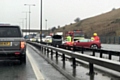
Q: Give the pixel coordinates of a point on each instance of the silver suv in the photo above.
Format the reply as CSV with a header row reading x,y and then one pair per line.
x,y
12,43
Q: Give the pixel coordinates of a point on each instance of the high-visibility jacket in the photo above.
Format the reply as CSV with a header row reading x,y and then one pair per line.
x,y
96,38
92,38
69,38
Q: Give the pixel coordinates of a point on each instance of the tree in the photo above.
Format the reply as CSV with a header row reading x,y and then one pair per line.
x,y
77,20
58,26
113,9
53,28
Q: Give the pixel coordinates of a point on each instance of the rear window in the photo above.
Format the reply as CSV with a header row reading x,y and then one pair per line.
x,y
8,31
57,37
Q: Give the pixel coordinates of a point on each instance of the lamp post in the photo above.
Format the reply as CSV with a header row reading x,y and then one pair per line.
x,y
46,24
22,23
41,23
29,13
26,21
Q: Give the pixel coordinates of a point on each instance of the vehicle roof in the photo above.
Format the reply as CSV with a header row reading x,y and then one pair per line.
x,y
48,36
9,25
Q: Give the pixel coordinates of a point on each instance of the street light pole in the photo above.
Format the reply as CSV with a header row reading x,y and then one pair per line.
x,y
46,24
26,21
22,23
29,13
41,24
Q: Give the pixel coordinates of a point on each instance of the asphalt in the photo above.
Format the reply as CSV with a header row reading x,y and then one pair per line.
x,y
82,73
12,70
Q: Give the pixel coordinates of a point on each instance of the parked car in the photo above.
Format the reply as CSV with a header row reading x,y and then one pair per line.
x,y
88,43
12,43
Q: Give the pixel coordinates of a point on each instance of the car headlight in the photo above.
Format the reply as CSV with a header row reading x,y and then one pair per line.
x,y
30,39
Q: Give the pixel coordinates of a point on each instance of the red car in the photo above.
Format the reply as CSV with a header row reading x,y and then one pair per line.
x,y
88,43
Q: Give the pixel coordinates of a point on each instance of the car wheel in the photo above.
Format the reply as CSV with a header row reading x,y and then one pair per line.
x,y
94,46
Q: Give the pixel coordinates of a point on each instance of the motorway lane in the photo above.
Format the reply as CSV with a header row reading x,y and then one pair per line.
x,y
12,70
113,47
47,70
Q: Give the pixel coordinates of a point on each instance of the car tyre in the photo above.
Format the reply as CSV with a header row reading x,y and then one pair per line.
x,y
94,46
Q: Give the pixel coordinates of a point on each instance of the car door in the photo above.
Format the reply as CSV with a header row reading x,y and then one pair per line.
x,y
83,43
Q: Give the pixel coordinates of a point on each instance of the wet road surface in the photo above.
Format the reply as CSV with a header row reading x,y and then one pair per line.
x,y
12,70
81,72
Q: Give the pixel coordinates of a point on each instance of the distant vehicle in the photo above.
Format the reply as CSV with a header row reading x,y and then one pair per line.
x,y
32,37
56,40
12,43
59,33
86,43
48,39
37,37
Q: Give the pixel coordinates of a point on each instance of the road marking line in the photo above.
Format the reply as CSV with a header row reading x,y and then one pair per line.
x,y
36,70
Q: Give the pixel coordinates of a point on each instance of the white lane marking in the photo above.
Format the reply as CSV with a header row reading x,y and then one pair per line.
x,y
36,70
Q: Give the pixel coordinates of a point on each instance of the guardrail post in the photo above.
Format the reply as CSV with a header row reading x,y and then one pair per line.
x,y
91,69
44,50
74,62
110,56
93,53
51,54
100,54
74,66
56,56
63,59
82,51
47,52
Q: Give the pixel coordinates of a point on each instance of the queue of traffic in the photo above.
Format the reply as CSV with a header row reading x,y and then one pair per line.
x,y
72,38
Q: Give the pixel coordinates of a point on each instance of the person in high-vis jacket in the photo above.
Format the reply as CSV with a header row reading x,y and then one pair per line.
x,y
96,37
92,38
69,38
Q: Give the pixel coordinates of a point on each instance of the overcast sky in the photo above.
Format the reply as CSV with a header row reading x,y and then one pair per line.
x,y
57,12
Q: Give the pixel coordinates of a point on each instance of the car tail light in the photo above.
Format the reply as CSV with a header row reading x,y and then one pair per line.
x,y
17,53
74,43
22,45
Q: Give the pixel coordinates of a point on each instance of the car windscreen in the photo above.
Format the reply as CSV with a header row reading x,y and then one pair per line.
x,y
78,34
10,32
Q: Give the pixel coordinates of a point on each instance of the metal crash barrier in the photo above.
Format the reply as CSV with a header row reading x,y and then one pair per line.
x,y
114,65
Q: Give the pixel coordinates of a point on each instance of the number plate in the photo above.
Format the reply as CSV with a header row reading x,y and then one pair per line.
x,y
4,43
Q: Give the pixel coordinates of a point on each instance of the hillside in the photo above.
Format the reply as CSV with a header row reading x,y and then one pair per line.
x,y
107,24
